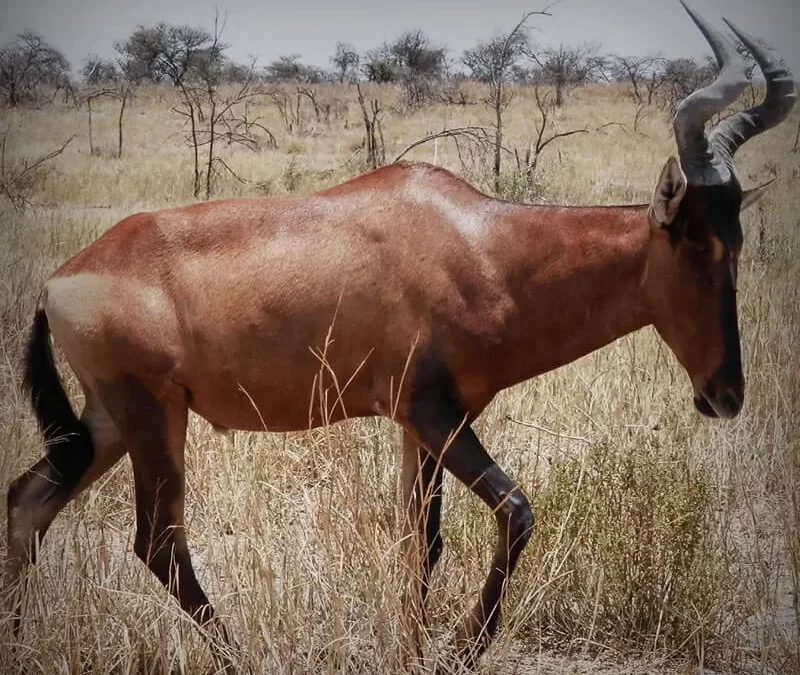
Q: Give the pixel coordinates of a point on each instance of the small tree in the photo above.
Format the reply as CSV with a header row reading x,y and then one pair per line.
x,y
345,62
214,118
494,62
20,180
26,65
373,133
567,67
98,71
165,53
419,64
681,77
643,74
380,66
106,79
288,68
545,135
234,73
121,91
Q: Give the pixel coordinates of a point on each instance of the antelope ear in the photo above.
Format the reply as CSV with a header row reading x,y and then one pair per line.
x,y
669,192
753,195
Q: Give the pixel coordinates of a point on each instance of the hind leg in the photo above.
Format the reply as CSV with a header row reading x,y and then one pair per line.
x,y
37,496
155,432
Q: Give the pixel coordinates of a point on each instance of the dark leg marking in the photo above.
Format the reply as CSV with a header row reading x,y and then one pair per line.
x,y
34,500
438,420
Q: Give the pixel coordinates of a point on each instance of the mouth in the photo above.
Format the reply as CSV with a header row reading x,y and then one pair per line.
x,y
725,404
703,406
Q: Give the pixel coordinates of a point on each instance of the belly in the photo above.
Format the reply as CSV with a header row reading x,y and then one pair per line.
x,y
267,408
280,388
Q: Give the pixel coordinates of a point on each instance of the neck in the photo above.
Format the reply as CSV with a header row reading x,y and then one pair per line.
x,y
575,277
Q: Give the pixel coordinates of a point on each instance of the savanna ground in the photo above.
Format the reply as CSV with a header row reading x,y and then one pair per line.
x,y
665,542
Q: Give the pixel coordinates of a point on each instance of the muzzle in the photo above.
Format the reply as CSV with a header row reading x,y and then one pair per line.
x,y
716,400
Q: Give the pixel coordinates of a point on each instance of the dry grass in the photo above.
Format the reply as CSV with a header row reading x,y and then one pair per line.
x,y
659,533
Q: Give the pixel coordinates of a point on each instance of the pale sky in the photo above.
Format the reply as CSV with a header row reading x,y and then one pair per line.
x,y
266,28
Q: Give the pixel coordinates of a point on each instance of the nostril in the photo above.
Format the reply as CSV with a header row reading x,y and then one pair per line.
x,y
732,400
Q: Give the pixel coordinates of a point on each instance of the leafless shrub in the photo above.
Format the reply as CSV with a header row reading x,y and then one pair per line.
x,y
288,101
494,62
680,78
566,67
453,92
20,179
642,113
373,133
473,135
304,107
643,74
213,117
545,135
121,92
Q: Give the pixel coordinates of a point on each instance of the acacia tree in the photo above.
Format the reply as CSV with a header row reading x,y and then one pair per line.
x,y
494,62
380,66
419,64
345,62
644,74
412,60
567,67
289,68
28,63
164,52
99,71
681,77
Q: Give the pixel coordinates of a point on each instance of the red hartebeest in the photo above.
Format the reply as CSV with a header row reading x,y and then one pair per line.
x,y
421,279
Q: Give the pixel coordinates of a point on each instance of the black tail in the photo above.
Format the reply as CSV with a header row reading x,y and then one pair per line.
x,y
43,489
53,410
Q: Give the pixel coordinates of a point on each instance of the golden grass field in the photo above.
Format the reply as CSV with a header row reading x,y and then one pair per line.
x,y
665,542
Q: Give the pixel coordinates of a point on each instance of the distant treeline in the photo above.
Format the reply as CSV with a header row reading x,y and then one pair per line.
x,y
167,53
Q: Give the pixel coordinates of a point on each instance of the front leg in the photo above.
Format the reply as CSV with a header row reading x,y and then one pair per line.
x,y
436,419
422,542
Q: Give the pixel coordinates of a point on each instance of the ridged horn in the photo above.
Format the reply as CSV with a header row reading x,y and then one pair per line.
x,y
698,107
730,134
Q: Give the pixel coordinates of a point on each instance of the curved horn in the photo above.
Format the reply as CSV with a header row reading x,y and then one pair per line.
x,y
730,134
697,108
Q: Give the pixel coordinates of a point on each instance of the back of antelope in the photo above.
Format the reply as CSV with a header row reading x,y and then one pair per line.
x,y
430,297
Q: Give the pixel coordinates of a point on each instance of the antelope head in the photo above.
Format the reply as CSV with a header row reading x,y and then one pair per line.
x,y
696,235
